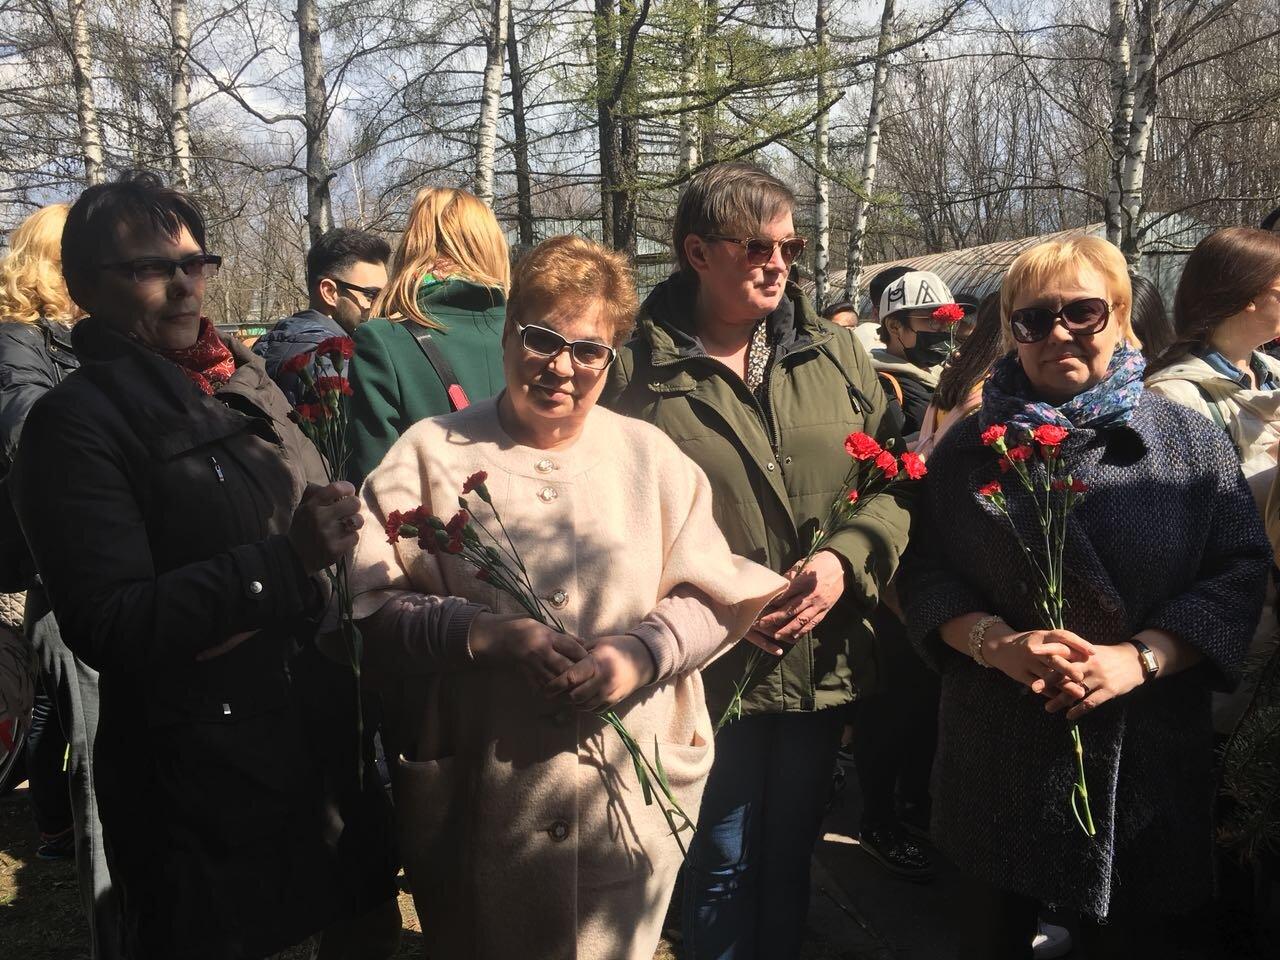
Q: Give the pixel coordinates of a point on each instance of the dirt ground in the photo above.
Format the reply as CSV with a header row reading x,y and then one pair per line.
x,y
40,916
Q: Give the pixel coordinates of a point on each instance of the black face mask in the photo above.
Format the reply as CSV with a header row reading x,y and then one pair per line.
x,y
930,349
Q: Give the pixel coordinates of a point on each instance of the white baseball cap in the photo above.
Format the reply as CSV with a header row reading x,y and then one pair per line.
x,y
918,290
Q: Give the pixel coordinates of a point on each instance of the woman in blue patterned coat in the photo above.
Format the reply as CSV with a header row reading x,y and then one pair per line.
x,y
1165,567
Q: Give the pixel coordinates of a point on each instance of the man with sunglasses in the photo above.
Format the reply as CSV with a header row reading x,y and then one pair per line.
x,y
346,270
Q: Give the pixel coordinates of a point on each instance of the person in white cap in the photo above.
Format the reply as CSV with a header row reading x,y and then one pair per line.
x,y
916,327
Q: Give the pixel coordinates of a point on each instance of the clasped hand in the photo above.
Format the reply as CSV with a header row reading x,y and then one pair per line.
x,y
814,590
1071,673
588,675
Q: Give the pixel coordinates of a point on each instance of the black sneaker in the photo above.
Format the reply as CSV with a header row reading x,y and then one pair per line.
x,y
57,846
897,852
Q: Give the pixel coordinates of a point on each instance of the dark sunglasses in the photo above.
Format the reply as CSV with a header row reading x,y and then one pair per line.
x,y
590,354
370,292
1081,317
760,250
155,269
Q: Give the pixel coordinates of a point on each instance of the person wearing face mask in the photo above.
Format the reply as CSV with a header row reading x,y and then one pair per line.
x,y
1166,563
916,345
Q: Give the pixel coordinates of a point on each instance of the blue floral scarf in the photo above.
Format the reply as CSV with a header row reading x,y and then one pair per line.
x,y
1008,396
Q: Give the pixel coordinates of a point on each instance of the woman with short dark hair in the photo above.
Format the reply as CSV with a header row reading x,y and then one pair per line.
x,y
180,525
731,361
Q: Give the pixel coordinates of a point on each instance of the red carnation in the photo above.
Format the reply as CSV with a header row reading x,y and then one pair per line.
x,y
993,434
888,464
1049,436
309,412
1004,464
1057,486
1077,486
483,575
949,313
475,481
296,364
333,385
456,524
860,446
392,526
992,489
852,496
1021,452
343,347
454,545
913,464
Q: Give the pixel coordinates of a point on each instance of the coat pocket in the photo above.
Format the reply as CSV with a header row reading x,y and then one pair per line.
x,y
425,794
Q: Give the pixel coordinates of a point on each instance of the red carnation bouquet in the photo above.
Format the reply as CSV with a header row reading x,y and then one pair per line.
x,y
872,471
1055,493
321,412
498,562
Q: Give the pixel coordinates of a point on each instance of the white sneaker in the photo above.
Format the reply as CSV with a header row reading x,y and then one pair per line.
x,y
1050,941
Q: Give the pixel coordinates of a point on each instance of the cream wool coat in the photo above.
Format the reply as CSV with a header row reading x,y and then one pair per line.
x,y
522,825
1252,417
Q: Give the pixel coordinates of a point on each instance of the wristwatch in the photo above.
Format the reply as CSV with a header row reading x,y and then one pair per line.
x,y
1147,657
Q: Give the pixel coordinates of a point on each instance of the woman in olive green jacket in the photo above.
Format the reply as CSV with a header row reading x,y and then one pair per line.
x,y
736,367
440,318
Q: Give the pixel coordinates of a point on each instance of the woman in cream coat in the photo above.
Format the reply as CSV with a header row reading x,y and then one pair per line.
x,y
522,824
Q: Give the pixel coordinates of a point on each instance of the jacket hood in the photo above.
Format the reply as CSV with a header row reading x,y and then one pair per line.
x,y
1195,370
459,294
886,362
666,320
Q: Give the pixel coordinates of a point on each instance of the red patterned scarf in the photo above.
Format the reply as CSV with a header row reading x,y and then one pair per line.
x,y
207,362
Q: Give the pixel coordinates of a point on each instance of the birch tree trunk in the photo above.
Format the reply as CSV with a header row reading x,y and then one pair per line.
x,y
707,117
692,61
491,99
180,92
1145,84
606,60
870,156
821,185
1121,110
86,110
520,149
316,120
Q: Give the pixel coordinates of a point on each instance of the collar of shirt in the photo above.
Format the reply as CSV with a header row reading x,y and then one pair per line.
x,y
1265,378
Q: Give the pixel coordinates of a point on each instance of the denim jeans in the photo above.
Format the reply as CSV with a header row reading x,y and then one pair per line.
x,y
746,880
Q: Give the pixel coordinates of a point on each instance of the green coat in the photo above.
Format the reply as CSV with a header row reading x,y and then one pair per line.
x,y
770,494
394,386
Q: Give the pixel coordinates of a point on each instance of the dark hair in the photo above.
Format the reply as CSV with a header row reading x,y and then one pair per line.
x,y
728,198
139,199
1222,276
881,280
342,248
973,358
841,306
1149,317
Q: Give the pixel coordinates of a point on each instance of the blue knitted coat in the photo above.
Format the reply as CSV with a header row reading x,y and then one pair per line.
x,y
1168,537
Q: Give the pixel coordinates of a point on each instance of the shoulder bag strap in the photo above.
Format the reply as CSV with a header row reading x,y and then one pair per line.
x,y
894,385
435,356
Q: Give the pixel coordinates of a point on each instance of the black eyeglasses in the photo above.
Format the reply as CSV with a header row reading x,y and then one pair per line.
x,y
760,251
1081,317
370,292
157,269
541,342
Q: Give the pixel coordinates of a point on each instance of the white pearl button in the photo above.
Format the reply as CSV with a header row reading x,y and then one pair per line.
x,y
545,465
255,587
547,494
559,598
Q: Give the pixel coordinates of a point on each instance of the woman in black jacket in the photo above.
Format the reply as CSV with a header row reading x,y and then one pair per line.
x,y
175,515
36,317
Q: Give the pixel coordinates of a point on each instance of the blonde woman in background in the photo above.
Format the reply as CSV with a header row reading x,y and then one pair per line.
x,y
436,346
36,317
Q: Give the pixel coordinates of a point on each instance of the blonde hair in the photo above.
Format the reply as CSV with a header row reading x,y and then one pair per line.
x,y
1038,267
31,284
446,227
573,270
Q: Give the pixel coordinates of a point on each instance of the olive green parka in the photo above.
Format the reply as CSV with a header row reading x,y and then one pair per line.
x,y
775,468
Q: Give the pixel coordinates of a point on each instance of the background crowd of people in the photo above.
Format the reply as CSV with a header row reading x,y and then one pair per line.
x,y
662,467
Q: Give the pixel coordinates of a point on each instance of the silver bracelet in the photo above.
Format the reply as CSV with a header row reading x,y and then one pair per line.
x,y
979,634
